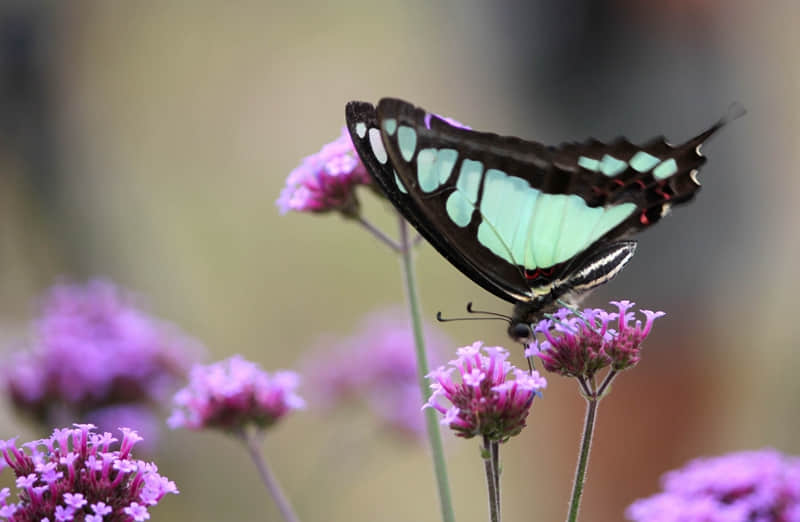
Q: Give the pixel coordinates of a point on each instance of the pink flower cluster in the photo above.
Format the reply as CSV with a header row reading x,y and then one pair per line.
x,y
484,401
74,475
751,486
232,393
326,180
579,345
93,349
377,365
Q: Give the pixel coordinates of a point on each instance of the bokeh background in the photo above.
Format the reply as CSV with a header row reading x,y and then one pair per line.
x,y
147,142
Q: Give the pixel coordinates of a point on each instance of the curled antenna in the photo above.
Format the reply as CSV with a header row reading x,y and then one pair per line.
x,y
451,319
502,316
493,316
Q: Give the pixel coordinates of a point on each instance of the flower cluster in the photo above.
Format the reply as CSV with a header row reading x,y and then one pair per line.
x,y
377,364
579,345
485,401
761,486
74,475
232,393
326,180
92,348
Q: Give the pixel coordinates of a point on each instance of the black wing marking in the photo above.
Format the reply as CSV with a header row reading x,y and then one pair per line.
x,y
384,175
432,131
549,169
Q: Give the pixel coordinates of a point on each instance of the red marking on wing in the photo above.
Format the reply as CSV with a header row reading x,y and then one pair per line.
x,y
660,192
539,272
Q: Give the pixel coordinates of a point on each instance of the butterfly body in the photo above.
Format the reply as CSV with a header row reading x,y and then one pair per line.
x,y
530,223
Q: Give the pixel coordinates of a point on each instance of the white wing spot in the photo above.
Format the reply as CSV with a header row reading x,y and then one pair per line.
x,y
377,145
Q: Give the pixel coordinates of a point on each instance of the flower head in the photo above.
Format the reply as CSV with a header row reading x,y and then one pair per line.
x,y
232,393
579,345
485,401
377,364
93,348
750,486
326,180
75,475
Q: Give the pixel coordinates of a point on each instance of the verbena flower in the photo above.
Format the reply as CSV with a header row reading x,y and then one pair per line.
x,y
579,345
326,180
92,348
484,400
75,475
232,393
752,486
377,365
140,415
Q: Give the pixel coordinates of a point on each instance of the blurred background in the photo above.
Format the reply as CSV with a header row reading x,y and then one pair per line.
x,y
147,143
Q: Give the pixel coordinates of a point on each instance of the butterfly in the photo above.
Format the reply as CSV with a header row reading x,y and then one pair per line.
x,y
530,223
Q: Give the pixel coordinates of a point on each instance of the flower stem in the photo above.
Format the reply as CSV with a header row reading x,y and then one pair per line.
x,y
583,459
378,233
251,442
530,359
496,465
593,395
434,436
489,454
606,383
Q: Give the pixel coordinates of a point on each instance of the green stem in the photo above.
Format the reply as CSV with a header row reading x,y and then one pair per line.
x,y
267,477
496,465
583,460
492,484
431,422
377,233
592,396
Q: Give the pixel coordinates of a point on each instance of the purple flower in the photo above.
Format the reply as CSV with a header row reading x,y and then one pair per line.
x,y
80,489
232,393
377,364
326,180
93,348
579,345
486,401
753,486
140,415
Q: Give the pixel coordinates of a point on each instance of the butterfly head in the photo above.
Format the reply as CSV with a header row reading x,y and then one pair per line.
x,y
521,332
527,314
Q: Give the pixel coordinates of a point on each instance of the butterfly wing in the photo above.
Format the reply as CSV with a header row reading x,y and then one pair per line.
x,y
362,123
523,215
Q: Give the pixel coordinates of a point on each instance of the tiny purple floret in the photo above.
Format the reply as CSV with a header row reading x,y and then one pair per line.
x,y
581,344
65,482
326,181
232,393
486,401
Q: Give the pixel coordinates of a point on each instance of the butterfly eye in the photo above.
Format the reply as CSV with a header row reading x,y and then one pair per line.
x,y
520,332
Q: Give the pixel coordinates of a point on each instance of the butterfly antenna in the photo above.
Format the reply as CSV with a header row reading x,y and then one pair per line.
x,y
473,311
451,319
